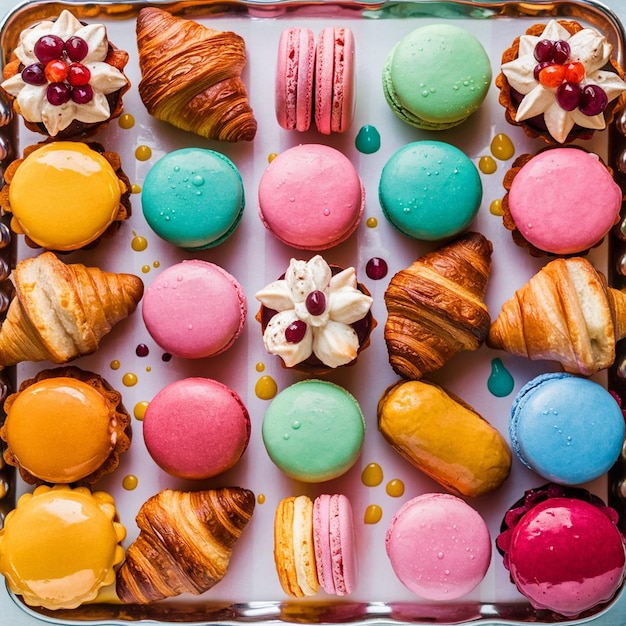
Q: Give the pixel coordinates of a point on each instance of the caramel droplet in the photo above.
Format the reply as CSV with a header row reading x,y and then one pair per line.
x,y
372,475
502,147
487,165
395,488
373,514
130,482
129,379
266,388
140,409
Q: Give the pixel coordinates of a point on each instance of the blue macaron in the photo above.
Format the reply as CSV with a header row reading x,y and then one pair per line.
x,y
430,190
566,428
193,198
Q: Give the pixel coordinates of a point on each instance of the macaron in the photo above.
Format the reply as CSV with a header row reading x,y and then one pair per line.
x,y
196,428
430,190
295,69
65,195
313,430
294,551
65,425
60,546
561,201
439,547
563,549
311,197
334,80
436,76
335,545
193,198
566,428
194,309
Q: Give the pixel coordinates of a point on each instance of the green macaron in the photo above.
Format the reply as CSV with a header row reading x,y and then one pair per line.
x,y
436,76
430,190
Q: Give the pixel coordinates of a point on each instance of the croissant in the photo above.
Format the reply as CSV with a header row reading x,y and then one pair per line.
x,y
191,76
61,311
184,544
564,313
435,307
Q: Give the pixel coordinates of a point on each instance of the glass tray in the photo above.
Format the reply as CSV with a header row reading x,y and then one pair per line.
x,y
250,592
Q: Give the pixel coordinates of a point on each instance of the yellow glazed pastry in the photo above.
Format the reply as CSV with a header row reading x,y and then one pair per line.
x,y
64,195
444,437
60,546
65,425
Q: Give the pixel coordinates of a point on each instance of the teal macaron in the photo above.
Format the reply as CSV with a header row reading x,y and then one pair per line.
x,y
436,76
430,190
193,198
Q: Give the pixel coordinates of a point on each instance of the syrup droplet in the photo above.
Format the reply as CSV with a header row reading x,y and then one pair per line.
x,y
495,208
376,268
115,364
135,188
261,498
142,350
156,264
126,121
143,153
487,165
367,140
130,482
395,488
140,409
500,382
265,388
129,379
371,222
502,147
372,475
271,156
373,514
139,243
260,366
145,269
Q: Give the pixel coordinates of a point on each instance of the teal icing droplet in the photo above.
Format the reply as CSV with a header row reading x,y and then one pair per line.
x,y
500,381
367,140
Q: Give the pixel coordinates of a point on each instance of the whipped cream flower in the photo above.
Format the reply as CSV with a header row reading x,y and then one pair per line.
x,y
65,76
560,76
315,310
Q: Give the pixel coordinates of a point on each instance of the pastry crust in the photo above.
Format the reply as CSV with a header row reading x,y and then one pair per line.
x,y
184,544
191,76
121,431
435,307
564,313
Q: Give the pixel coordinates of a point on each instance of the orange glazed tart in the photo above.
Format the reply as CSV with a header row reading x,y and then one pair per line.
x,y
65,425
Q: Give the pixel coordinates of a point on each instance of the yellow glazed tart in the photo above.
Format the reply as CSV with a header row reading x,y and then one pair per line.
x,y
65,426
65,195
60,546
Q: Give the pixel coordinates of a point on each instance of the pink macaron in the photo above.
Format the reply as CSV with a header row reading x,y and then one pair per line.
x,y
439,547
563,549
196,428
334,542
311,197
334,80
194,309
294,78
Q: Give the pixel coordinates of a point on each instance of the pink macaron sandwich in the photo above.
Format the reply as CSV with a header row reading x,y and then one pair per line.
x,y
315,82
563,550
311,197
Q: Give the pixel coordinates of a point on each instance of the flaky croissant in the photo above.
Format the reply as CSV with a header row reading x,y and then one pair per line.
x,y
191,76
564,313
61,311
435,306
184,544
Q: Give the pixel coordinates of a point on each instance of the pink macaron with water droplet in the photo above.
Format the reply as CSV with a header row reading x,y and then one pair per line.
x,y
439,547
334,542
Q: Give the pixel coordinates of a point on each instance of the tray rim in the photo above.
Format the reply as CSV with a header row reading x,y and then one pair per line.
x,y
315,611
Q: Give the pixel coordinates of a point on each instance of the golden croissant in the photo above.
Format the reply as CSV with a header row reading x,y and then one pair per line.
x,y
61,311
564,313
184,544
191,76
435,307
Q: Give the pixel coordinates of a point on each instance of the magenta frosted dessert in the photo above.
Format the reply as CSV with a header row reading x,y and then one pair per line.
x,y
563,549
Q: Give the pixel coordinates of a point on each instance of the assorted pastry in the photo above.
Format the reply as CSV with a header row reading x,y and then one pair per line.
x,y
66,428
